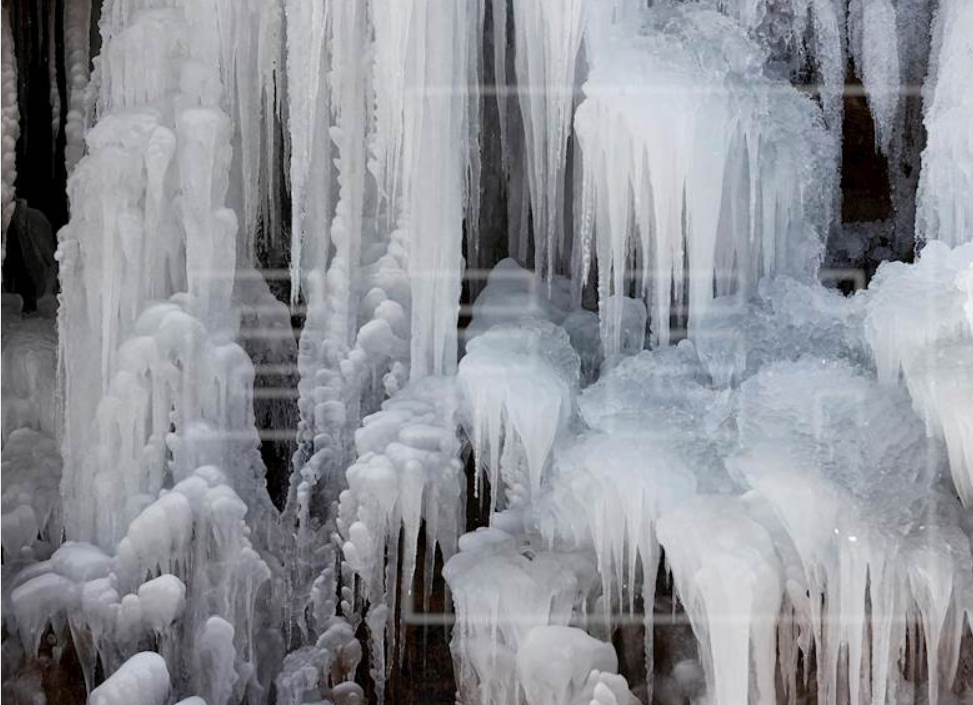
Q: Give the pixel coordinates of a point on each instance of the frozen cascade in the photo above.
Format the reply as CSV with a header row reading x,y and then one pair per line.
x,y
943,204
177,399
152,188
30,504
802,460
716,204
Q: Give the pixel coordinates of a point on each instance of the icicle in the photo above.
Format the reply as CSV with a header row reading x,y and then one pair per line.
x,y
547,39
944,211
305,54
872,27
729,579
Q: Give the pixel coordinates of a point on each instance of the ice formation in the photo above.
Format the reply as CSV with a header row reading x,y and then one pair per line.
x,y
649,457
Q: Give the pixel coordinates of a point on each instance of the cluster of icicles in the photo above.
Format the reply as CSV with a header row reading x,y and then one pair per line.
x,y
803,461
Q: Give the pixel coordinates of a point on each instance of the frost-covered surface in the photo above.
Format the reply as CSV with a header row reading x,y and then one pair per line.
x,y
705,476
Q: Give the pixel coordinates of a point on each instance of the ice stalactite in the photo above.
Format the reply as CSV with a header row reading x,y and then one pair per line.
x,y
383,273
693,180
547,45
10,124
438,137
873,44
943,206
77,33
728,577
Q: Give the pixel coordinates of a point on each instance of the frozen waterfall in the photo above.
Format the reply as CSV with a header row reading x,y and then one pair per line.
x,y
487,352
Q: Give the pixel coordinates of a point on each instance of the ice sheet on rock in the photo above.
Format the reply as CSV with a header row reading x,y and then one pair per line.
x,y
728,577
786,319
559,665
30,369
501,591
31,483
714,197
143,679
943,210
519,384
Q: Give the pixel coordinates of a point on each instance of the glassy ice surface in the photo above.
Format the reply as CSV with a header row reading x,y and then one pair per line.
x,y
388,341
